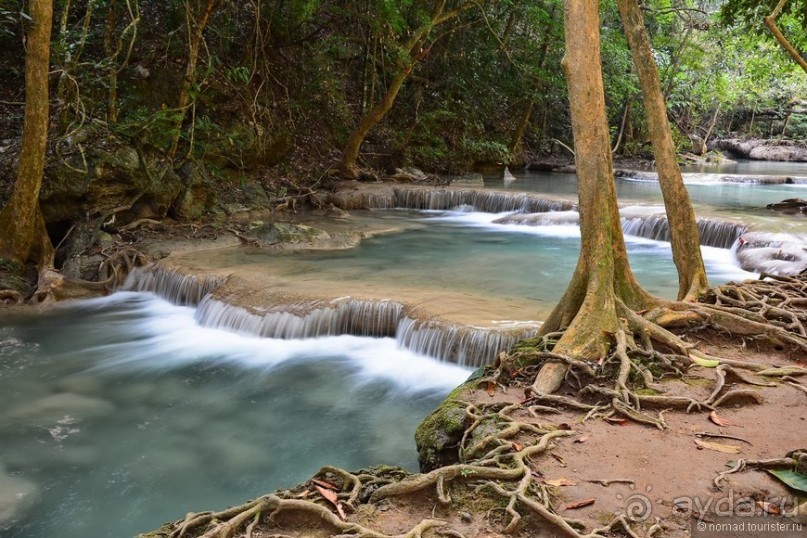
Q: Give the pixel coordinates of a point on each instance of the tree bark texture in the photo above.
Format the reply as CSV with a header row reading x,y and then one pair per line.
x,y
692,281
602,278
23,236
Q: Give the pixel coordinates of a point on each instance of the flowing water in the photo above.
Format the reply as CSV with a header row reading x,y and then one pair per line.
x,y
123,412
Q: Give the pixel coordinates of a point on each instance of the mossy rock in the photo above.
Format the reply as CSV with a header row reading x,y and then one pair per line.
x,y
283,232
439,435
100,172
198,192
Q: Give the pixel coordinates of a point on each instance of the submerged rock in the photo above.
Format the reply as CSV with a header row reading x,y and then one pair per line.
x,y
468,180
790,206
16,496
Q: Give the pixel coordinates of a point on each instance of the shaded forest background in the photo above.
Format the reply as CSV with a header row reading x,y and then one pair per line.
x,y
156,104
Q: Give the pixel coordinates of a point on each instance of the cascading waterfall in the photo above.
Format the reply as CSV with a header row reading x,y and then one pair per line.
x,y
485,201
304,320
713,232
466,346
442,340
171,285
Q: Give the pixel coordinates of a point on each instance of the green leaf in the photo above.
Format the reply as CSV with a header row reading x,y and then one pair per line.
x,y
792,479
706,363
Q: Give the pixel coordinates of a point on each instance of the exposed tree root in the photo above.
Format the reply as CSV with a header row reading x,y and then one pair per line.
x,y
11,297
795,460
118,265
113,271
769,309
505,464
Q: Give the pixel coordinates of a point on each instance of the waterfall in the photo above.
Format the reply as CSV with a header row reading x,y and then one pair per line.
x,y
382,199
445,198
171,285
466,346
719,233
713,232
485,201
303,320
442,340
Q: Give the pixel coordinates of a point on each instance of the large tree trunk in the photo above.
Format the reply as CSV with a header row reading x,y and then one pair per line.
x,y
603,281
684,237
24,237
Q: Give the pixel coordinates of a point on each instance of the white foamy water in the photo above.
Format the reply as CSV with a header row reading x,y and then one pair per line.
x,y
645,254
170,338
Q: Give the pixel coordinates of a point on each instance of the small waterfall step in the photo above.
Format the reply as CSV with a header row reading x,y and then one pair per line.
x,y
220,303
171,284
445,198
713,232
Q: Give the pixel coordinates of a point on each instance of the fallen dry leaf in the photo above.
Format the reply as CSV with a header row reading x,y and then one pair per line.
x,y
723,422
579,504
331,497
582,439
770,508
491,389
518,447
324,484
620,421
718,447
560,482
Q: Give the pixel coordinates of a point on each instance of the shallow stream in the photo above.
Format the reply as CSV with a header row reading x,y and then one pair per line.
x,y
123,412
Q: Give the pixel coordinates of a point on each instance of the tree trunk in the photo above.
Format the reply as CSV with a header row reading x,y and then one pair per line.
x,y
194,43
684,237
524,122
770,22
24,237
416,49
348,166
112,54
602,280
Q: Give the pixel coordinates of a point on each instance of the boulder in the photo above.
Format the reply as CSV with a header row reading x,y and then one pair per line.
x,y
99,172
791,206
765,150
197,191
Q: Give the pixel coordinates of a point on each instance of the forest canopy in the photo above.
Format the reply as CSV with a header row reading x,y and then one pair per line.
x,y
286,82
